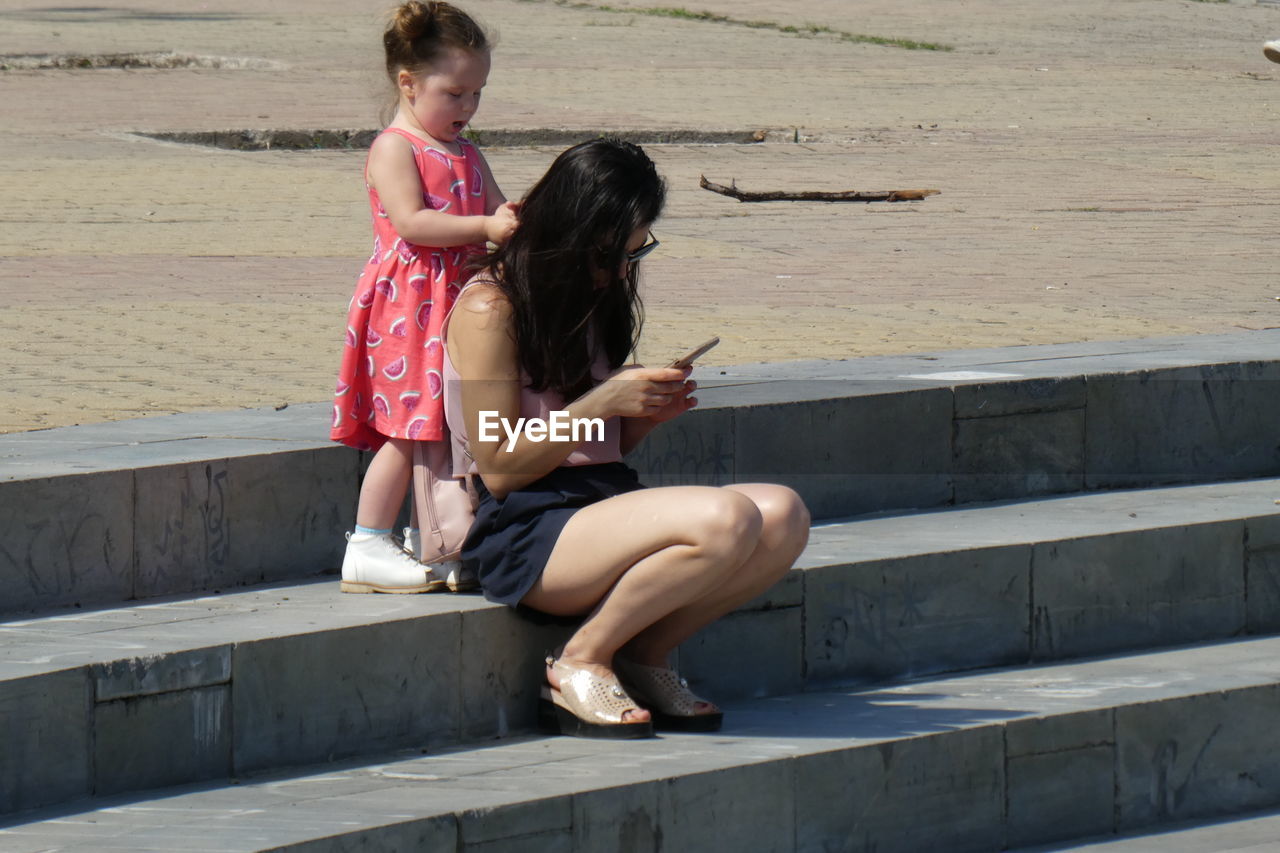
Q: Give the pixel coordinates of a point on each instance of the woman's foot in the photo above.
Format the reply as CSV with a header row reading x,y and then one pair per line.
x,y
586,700
557,666
675,707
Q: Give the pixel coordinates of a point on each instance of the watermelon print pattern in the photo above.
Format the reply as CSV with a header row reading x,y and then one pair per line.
x,y
423,315
392,350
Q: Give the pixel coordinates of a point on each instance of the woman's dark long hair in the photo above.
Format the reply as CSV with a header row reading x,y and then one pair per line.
x,y
573,232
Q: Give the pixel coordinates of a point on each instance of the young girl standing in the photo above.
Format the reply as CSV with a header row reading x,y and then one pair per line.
x,y
434,204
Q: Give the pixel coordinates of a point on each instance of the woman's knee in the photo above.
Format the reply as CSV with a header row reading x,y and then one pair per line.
x,y
784,531
726,524
784,517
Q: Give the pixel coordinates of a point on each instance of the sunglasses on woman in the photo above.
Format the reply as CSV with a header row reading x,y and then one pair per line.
x,y
639,253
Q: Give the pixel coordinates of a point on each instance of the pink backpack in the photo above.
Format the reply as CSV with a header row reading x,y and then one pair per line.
x,y
445,504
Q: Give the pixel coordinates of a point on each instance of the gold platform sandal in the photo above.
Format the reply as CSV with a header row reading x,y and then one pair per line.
x,y
672,705
587,705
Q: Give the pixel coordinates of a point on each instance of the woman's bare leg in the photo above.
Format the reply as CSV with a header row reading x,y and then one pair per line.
x,y
630,560
783,535
385,485
670,563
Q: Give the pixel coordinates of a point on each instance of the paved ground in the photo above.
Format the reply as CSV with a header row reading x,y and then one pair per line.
x,y
1108,170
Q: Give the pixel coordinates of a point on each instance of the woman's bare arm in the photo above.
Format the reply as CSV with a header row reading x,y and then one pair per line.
x,y
482,348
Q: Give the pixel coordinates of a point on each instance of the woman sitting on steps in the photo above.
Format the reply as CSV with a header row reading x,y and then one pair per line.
x,y
563,526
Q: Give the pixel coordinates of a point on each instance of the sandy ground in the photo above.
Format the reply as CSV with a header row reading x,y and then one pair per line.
x,y
1108,170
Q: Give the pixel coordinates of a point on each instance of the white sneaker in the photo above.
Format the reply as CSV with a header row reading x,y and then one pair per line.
x,y
375,563
1271,50
457,578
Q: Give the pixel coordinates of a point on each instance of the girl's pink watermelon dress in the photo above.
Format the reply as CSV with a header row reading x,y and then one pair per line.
x,y
390,384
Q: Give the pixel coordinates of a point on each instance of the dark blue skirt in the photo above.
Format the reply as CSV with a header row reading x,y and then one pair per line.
x,y
512,538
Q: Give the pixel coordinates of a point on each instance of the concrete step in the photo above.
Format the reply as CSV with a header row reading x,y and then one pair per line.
x,y
1255,832
976,762
160,506
98,702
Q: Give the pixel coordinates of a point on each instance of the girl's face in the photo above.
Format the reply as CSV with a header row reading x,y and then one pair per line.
x,y
443,99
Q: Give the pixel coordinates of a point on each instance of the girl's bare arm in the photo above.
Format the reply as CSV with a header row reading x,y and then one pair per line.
x,y
393,173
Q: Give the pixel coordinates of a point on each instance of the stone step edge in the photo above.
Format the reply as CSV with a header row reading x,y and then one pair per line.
x,y
170,439
999,758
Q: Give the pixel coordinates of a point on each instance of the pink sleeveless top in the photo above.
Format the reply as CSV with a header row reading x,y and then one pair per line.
x,y
532,405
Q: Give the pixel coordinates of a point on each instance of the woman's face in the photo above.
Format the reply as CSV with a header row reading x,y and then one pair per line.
x,y
637,239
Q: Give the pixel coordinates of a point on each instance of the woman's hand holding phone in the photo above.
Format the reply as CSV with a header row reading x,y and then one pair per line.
x,y
656,393
635,391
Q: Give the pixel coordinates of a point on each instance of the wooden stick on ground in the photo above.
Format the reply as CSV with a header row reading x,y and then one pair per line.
x,y
815,195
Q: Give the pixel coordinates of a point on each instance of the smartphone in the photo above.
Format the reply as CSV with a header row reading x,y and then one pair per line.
x,y
694,354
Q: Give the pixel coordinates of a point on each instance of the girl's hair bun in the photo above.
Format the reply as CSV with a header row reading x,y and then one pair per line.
x,y
419,32
413,20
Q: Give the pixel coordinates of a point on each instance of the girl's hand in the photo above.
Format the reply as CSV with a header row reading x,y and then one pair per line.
x,y
499,227
642,392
